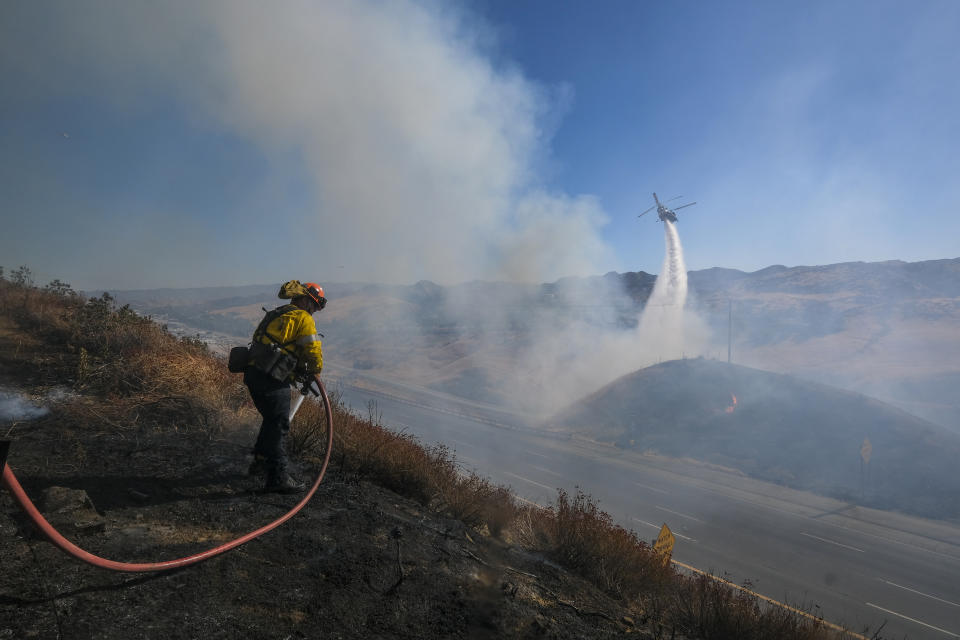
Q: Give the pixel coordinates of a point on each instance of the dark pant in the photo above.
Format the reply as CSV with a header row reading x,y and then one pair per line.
x,y
272,399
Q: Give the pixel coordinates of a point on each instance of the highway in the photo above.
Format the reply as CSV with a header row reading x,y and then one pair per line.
x,y
853,566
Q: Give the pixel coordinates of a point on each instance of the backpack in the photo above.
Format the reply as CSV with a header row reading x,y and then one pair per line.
x,y
272,359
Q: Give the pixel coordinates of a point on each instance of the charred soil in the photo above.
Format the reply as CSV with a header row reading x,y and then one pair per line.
x,y
358,562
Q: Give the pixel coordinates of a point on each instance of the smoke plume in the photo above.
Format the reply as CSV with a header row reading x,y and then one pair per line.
x,y
573,354
387,144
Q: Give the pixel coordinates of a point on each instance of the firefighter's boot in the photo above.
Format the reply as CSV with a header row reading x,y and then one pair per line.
x,y
283,482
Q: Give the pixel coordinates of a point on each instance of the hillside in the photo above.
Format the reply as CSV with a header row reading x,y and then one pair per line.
x,y
360,561
139,455
778,428
887,329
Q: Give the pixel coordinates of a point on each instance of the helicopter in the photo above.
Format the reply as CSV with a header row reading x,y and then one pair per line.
x,y
665,213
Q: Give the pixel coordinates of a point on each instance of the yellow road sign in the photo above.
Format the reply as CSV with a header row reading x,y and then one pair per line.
x,y
663,546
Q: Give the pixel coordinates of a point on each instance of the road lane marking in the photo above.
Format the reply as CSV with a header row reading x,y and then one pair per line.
x,y
832,524
536,504
539,455
930,626
772,601
677,513
845,546
656,526
919,593
530,481
559,475
651,488
893,540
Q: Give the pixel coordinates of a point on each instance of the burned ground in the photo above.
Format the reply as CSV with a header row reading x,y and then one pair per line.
x,y
358,562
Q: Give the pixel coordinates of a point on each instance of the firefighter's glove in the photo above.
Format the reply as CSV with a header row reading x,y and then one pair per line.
x,y
310,386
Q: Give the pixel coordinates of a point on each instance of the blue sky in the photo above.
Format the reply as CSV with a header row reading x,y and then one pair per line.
x,y
808,132
145,146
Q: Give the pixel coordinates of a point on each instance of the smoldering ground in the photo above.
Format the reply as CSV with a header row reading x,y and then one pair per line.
x,y
14,406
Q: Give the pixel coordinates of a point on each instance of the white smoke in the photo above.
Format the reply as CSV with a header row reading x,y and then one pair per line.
x,y
574,355
412,154
14,406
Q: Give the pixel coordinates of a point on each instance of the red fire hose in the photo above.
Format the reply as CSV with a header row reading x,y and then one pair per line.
x,y
13,486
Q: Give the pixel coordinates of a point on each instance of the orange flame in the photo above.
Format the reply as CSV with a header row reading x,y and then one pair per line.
x,y
732,406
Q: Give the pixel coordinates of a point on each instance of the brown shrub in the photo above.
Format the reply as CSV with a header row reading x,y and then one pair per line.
x,y
364,448
587,540
575,533
701,606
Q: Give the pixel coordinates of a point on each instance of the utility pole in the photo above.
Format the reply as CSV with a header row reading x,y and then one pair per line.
x,y
865,450
729,327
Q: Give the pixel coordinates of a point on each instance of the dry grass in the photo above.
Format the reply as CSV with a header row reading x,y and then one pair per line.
x,y
702,607
94,347
135,367
580,536
365,448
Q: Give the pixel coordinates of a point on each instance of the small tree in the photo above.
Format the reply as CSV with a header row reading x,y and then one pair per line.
x,y
60,288
22,277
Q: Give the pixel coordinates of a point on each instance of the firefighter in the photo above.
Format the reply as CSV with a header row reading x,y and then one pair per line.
x,y
285,349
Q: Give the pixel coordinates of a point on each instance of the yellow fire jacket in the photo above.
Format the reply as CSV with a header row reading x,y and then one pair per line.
x,y
295,329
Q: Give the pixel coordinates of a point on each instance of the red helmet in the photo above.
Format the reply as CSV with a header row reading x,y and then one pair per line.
x,y
315,292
